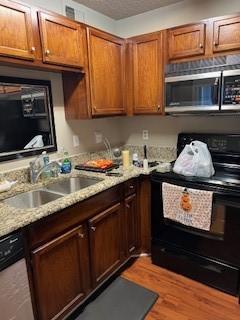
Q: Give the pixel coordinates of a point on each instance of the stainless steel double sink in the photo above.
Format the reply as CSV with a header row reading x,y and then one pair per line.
x,y
53,191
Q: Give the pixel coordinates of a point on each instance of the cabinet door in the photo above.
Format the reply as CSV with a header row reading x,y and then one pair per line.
x,y
107,73
226,34
147,74
105,243
186,41
61,273
131,224
61,40
16,36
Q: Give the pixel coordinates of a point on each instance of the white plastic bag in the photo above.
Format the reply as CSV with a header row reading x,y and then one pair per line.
x,y
195,160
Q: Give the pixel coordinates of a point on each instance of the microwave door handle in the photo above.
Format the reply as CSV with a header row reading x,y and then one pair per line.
x,y
215,93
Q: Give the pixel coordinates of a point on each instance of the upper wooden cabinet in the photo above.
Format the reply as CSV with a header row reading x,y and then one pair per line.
x,y
61,39
106,55
16,35
186,41
226,34
147,60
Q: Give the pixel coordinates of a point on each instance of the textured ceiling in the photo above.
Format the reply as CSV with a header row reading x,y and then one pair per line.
x,y
119,9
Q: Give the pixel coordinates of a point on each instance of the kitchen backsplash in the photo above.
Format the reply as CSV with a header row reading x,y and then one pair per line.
x,y
164,154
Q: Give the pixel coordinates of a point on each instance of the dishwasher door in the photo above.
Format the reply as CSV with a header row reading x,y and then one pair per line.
x,y
15,299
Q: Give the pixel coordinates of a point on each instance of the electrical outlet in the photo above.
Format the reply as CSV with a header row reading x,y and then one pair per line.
x,y
145,135
75,141
98,137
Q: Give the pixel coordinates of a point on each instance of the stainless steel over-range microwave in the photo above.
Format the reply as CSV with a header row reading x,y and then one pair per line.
x,y
211,92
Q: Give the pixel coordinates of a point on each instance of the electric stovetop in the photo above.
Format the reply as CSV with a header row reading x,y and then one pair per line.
x,y
225,152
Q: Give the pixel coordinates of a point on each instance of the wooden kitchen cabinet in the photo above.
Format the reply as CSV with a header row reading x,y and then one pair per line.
x,y
61,273
101,90
106,54
147,60
16,36
226,34
62,40
131,224
106,242
186,41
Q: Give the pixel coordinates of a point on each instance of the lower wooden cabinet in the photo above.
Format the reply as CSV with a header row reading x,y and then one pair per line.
x,y
131,224
74,251
105,243
61,273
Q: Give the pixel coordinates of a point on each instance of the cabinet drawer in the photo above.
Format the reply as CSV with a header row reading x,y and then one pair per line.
x,y
130,187
215,274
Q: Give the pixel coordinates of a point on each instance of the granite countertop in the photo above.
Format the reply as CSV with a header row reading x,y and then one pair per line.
x,y
12,218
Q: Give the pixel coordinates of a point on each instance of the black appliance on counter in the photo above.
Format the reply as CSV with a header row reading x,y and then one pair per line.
x,y
211,257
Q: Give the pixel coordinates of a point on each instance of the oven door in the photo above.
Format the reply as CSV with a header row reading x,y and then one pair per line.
x,y
193,93
231,90
220,243
210,257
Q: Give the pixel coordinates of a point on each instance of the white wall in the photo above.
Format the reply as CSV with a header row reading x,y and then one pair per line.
x,y
163,131
83,13
111,127
183,12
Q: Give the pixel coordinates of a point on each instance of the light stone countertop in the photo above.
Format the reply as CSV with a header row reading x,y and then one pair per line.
x,y
12,218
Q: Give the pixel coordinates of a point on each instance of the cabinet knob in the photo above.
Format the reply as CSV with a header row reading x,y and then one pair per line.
x,y
127,206
33,49
131,187
47,52
201,45
93,229
159,107
215,43
81,235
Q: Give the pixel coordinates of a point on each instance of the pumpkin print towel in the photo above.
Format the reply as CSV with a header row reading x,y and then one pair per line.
x,y
190,207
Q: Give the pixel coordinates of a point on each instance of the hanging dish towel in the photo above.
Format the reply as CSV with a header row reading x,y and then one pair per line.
x,y
190,207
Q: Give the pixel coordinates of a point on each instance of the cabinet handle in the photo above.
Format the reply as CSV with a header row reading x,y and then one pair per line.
x,y
159,107
47,52
93,229
33,49
215,43
201,45
131,187
81,235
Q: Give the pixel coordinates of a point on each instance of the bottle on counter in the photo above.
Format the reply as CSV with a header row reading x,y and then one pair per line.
x,y
145,160
45,161
66,166
135,160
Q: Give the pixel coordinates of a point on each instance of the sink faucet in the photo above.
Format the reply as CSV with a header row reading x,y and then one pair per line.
x,y
36,169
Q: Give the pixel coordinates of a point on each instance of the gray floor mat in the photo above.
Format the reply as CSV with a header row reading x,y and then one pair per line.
x,y
122,300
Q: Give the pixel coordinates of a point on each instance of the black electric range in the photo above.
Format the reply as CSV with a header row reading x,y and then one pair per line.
x,y
212,257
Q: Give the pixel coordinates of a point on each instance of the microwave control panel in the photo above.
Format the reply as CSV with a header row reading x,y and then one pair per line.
x,y
231,92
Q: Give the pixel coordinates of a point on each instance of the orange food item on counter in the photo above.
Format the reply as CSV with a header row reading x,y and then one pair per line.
x,y
99,163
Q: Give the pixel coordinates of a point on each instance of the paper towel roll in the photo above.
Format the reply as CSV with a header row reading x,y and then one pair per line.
x,y
125,157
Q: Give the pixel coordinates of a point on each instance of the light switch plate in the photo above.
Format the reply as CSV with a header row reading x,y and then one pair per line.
x,y
145,135
75,141
98,137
